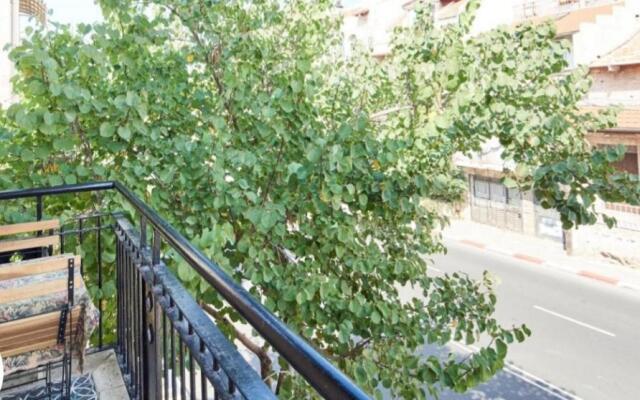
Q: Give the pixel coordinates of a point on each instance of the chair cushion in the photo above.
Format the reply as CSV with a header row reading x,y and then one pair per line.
x,y
33,303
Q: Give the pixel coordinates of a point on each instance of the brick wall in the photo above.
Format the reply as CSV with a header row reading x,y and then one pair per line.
x,y
615,87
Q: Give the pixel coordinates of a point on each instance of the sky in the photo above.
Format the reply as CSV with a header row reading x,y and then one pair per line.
x,y
74,11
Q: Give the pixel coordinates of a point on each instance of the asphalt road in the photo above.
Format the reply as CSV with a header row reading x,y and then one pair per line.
x,y
586,334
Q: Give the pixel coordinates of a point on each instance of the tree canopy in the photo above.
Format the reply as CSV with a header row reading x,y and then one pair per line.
x,y
243,123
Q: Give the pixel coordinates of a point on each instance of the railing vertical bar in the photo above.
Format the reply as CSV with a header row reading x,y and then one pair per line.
x,y
143,232
152,349
232,386
203,384
39,209
183,389
117,278
126,314
130,320
81,240
203,379
155,253
100,300
173,362
165,368
121,296
192,377
136,335
216,367
62,239
139,329
121,311
119,293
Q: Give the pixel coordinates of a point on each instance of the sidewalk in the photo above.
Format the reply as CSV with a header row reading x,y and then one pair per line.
x,y
539,251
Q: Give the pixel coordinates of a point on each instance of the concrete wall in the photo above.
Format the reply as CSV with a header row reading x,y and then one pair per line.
x,y
374,29
621,243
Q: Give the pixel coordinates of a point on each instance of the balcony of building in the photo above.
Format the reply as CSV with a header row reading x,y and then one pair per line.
x,y
528,9
90,308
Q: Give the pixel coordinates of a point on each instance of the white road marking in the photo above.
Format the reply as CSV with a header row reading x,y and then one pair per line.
x,y
434,269
527,377
575,321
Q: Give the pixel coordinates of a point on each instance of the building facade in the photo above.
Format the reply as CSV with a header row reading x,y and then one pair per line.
x,y
603,35
15,16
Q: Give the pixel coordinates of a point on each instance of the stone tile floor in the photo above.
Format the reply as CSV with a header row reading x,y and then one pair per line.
x,y
82,388
100,379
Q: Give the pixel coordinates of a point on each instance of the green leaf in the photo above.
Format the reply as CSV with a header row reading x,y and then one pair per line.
x,y
363,199
107,129
510,183
314,153
124,132
293,168
501,348
375,317
82,171
361,375
70,116
27,155
64,143
49,118
296,86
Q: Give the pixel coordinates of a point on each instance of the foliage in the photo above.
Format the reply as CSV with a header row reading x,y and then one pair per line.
x,y
242,123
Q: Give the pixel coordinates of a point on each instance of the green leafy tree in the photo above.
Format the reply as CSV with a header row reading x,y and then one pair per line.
x,y
303,172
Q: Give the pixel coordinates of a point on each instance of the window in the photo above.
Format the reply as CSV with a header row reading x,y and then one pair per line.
x,y
630,161
480,189
498,192
514,197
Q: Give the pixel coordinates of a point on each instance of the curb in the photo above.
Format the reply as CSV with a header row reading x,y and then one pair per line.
x,y
610,280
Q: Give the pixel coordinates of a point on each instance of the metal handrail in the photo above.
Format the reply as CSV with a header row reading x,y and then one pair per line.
x,y
328,381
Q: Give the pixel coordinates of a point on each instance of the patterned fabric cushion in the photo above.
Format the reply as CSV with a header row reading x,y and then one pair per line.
x,y
40,294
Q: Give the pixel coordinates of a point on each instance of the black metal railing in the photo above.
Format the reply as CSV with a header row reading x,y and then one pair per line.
x,y
166,344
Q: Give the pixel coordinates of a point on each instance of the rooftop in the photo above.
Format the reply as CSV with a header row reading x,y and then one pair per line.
x,y
627,53
569,23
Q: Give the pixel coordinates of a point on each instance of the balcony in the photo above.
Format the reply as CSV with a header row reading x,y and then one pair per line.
x,y
112,271
525,9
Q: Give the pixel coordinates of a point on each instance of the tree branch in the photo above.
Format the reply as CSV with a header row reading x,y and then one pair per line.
x,y
357,350
261,353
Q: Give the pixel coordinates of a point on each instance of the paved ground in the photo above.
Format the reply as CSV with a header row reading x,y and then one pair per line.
x,y
586,333
543,252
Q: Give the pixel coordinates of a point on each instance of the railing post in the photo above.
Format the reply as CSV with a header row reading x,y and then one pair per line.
x,y
39,210
151,332
143,232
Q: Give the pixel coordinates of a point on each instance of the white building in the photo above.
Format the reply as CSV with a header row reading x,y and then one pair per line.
x,y
604,35
15,16
583,22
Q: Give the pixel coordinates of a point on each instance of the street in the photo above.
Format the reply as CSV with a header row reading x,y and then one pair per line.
x,y
586,334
